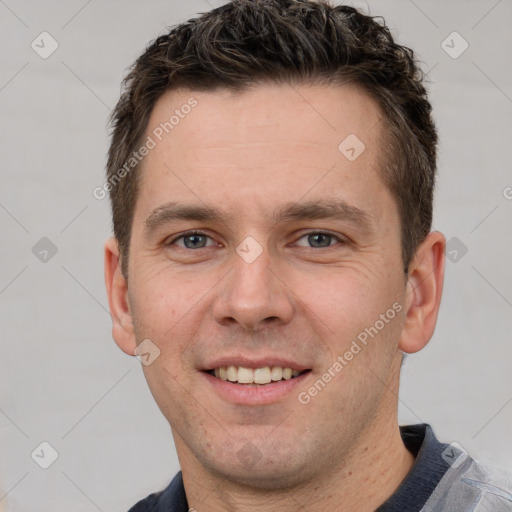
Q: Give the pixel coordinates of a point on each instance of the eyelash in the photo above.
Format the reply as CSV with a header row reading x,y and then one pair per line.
x,y
197,232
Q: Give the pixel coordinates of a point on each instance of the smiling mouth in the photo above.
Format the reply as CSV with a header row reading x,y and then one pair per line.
x,y
255,376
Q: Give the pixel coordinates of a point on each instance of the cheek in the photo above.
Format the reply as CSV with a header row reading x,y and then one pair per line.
x,y
344,301
163,297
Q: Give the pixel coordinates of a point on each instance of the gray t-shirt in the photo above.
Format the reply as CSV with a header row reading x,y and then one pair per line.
x,y
443,478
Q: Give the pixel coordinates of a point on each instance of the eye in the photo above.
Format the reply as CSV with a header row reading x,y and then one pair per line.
x,y
199,240
320,239
192,240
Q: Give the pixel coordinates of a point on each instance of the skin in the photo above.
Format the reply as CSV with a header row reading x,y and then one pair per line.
x,y
302,298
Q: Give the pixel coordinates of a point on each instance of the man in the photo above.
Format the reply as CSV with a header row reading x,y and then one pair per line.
x,y
271,174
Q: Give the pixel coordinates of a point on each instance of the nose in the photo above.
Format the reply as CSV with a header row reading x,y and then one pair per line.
x,y
253,294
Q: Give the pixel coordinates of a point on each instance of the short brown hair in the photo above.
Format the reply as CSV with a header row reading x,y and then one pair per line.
x,y
247,42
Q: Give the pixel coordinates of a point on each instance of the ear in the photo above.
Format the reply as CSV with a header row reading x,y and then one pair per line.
x,y
117,291
423,293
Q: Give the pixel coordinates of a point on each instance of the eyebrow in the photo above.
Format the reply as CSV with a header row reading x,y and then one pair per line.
x,y
336,209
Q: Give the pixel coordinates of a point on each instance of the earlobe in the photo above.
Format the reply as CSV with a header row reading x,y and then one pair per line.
x,y
117,292
423,293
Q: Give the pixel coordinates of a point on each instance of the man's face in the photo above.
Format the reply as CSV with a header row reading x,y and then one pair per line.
x,y
265,283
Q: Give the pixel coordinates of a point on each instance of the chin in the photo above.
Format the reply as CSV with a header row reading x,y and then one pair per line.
x,y
267,473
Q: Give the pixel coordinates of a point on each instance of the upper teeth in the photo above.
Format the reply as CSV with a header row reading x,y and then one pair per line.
x,y
254,375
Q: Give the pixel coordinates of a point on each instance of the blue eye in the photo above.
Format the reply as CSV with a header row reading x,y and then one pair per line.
x,y
319,239
192,240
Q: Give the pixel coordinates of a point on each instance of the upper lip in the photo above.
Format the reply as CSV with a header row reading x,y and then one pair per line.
x,y
255,362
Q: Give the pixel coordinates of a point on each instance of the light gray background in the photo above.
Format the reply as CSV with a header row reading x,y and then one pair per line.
x,y
64,381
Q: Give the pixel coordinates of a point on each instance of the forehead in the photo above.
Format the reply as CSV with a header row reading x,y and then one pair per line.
x,y
269,143
258,114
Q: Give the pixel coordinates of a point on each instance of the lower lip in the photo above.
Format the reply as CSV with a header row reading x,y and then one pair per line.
x,y
245,394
